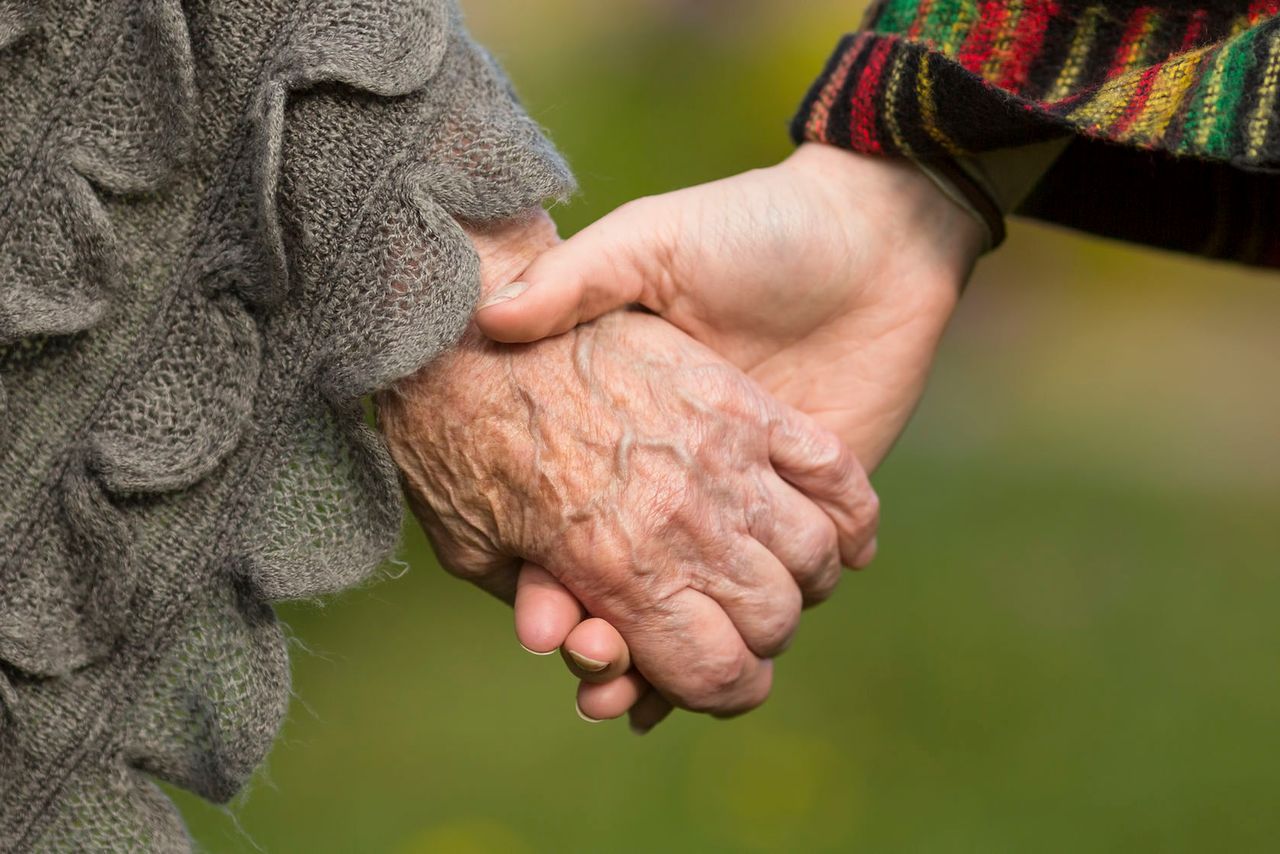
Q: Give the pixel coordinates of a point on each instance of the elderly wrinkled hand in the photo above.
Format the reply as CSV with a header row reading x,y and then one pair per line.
x,y
658,484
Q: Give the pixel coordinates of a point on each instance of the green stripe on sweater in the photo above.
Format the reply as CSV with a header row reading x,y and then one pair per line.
x,y
897,16
942,21
1239,63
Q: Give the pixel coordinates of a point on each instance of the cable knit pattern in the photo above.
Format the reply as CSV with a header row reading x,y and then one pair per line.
x,y
222,225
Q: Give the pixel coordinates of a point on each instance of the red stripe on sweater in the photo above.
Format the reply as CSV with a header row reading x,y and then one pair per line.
x,y
1196,29
1139,100
1132,35
862,120
977,48
1028,43
1260,9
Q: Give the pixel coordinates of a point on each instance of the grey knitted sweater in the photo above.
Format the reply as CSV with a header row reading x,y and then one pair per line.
x,y
222,223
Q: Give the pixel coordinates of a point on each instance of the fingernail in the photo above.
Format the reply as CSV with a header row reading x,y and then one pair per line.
x,y
588,664
534,651
506,294
586,718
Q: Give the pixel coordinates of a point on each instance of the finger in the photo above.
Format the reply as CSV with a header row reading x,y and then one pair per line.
x,y
649,711
607,265
609,700
758,595
545,610
595,652
802,537
690,650
822,467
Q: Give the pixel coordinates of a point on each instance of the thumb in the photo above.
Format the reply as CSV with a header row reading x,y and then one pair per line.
x,y
614,262
545,611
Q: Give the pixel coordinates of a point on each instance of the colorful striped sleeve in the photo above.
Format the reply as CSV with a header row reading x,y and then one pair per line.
x,y
1174,108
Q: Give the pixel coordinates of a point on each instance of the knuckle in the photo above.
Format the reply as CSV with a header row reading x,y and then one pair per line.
x,y
754,698
822,584
777,625
830,455
711,685
817,547
826,459
777,634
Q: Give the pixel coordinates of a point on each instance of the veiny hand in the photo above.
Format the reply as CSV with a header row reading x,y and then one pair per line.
x,y
829,278
649,477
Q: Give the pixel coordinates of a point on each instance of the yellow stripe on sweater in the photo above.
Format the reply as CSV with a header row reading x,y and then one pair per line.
x,y
1108,104
1137,55
959,29
1264,115
1077,56
891,103
929,110
1111,101
1168,94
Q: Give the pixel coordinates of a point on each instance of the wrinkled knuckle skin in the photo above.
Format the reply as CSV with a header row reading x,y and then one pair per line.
x,y
830,456
709,688
818,549
824,573
754,699
776,630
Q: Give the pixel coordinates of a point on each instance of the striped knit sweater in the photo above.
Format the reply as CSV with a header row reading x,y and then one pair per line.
x,y
1174,108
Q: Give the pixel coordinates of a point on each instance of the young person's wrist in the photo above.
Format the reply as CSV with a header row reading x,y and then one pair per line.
x,y
906,213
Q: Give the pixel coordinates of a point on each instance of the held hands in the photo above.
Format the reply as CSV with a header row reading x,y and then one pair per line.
x,y
828,278
626,471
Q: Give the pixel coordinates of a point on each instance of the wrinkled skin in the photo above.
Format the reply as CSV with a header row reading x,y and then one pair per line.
x,y
654,481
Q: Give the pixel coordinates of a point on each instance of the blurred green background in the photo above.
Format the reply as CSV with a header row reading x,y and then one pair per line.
x,y
1070,640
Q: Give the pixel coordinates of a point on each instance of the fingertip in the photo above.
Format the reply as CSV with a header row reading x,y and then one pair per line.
x,y
599,702
506,322
595,651
505,294
545,611
532,651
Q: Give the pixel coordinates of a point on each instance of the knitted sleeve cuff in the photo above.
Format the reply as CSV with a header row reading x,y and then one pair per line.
x,y
1172,111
